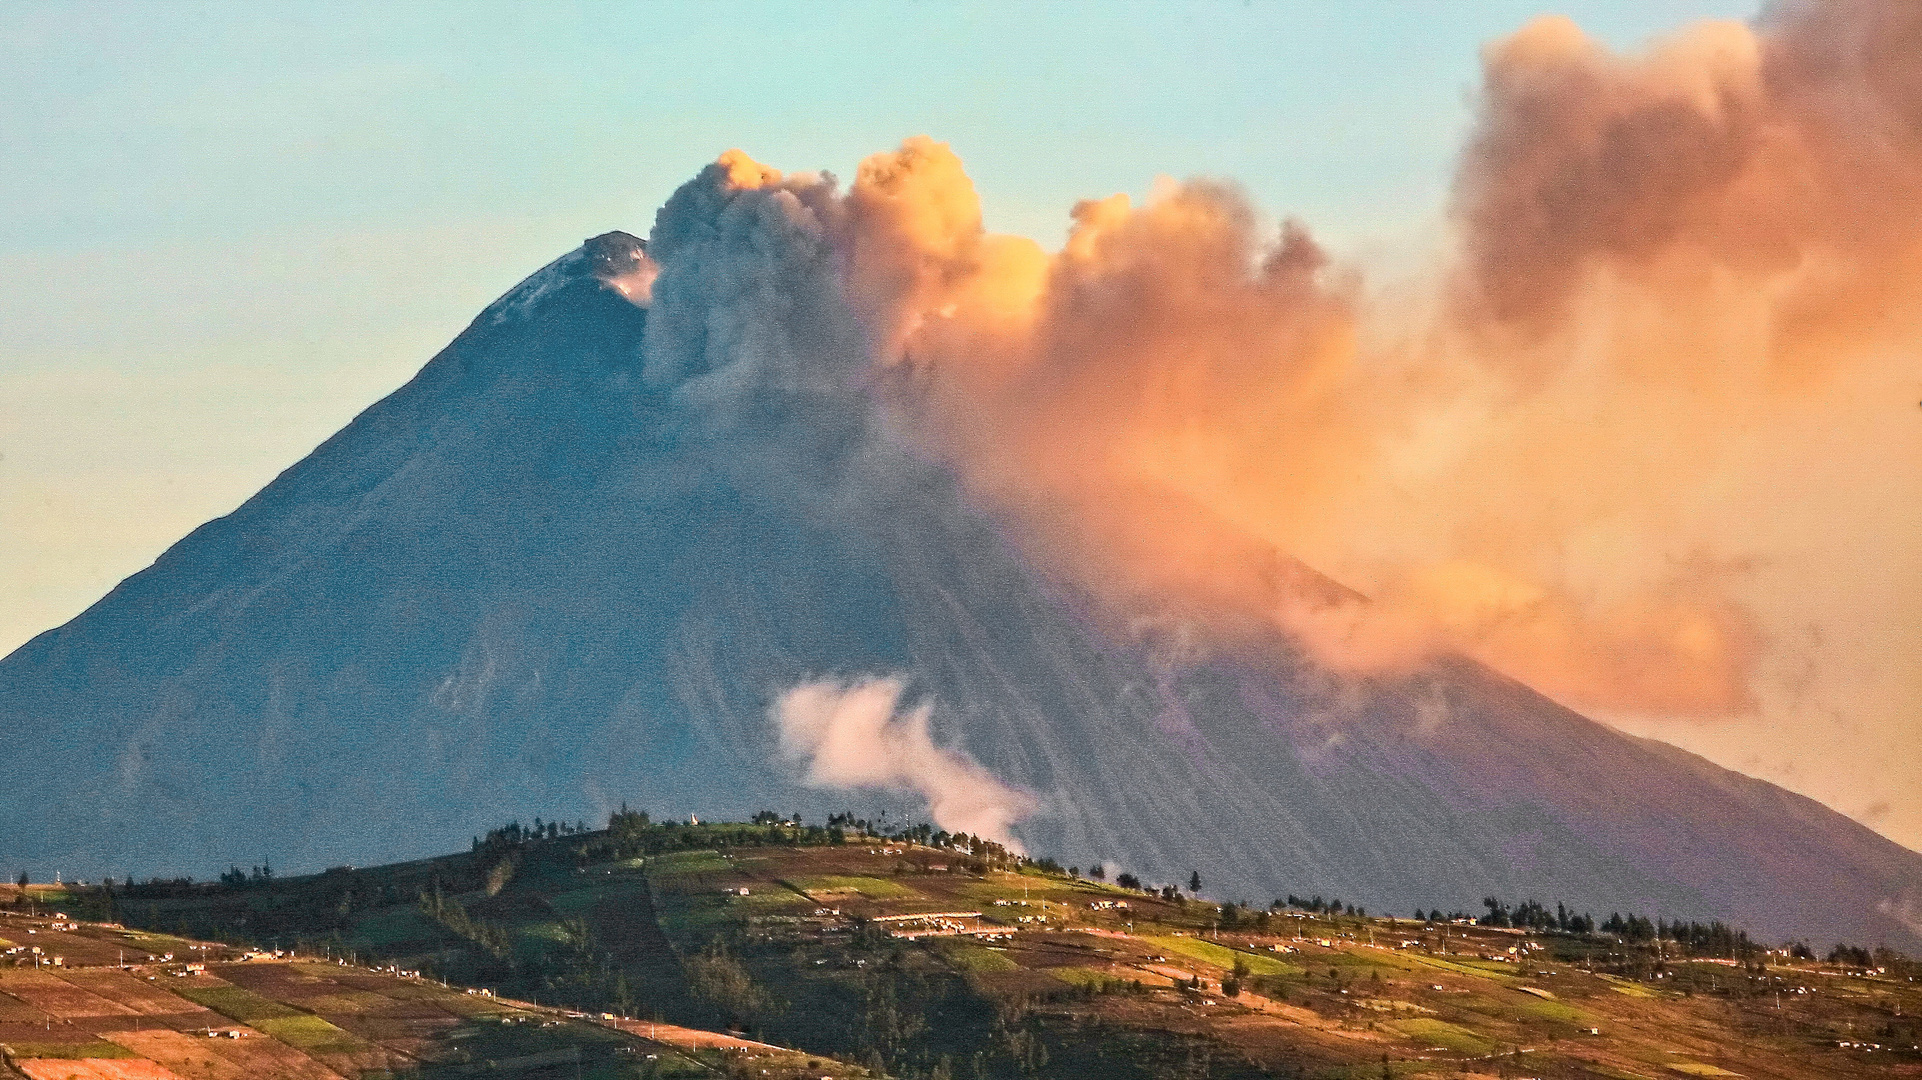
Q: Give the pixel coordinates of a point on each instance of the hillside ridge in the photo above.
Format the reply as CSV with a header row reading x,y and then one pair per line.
x,y
915,953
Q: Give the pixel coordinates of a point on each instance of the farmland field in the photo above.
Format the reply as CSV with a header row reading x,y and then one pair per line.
x,y
288,1019
896,956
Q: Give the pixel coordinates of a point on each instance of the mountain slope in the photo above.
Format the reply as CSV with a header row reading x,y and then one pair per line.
x,y
540,578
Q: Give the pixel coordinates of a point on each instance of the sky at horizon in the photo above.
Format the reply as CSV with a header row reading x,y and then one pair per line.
x,y
226,229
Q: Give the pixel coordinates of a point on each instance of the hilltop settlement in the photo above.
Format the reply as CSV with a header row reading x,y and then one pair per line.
x,y
776,948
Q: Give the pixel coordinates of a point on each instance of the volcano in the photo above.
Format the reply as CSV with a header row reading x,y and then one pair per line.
x,y
543,578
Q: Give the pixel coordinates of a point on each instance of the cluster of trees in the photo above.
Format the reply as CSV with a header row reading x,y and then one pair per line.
x,y
572,966
1859,957
1852,955
985,853
1321,907
492,938
716,979
514,834
1532,915
1231,986
627,828
899,1011
159,888
1637,928
1709,939
632,834
1234,916
1171,893
1713,938
234,877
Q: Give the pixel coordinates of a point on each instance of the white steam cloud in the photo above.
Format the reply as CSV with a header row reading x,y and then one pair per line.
x,y
855,735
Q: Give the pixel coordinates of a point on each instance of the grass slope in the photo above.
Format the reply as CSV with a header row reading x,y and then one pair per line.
x,y
781,936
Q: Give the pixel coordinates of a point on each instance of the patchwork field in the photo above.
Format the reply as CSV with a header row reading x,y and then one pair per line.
x,y
719,946
207,1014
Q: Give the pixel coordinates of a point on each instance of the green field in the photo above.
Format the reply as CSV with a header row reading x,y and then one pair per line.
x,y
347,1001
1472,968
687,862
1085,977
1441,1033
395,926
1221,956
971,957
874,888
236,1003
311,1034
1632,989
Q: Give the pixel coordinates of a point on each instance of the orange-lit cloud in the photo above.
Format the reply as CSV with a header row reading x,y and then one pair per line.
x,y
1783,164
1174,398
1661,260
1571,450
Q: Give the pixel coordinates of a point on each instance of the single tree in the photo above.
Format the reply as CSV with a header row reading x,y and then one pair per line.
x,y
23,882
1194,881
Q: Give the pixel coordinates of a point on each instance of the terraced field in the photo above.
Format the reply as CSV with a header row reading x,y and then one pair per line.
x,y
887,957
198,1011
1335,997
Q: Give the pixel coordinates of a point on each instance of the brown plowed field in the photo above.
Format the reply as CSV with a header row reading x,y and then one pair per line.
x,y
135,993
95,1069
315,1020
259,1055
51,994
692,1038
15,1011
400,1015
191,1056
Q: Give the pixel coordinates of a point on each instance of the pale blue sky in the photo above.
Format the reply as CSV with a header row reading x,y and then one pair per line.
x,y
225,229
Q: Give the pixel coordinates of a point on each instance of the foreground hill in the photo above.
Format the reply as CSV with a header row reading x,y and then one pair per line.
x,y
539,575
927,959
100,1002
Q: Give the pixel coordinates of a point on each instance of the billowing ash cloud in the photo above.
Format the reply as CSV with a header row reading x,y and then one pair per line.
x,y
1786,162
855,735
1644,436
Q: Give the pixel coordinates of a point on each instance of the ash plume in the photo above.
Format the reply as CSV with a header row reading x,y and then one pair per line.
x,y
1643,437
